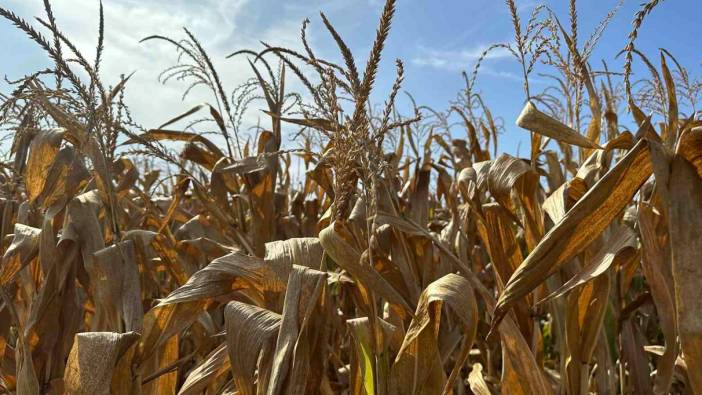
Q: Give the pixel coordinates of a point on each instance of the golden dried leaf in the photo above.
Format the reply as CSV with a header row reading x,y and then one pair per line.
x,y
538,122
251,331
419,356
586,220
93,363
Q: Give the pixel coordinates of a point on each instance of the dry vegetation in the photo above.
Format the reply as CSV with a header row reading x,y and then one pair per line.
x,y
406,260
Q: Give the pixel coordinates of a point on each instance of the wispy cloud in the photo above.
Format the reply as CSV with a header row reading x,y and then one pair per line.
x,y
527,5
508,75
456,59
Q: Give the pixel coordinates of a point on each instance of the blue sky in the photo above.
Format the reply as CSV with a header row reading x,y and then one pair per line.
x,y
435,39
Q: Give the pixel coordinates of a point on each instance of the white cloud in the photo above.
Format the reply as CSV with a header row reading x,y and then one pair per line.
x,y
508,75
527,5
457,59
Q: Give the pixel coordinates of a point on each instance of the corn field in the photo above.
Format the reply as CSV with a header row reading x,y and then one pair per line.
x,y
403,257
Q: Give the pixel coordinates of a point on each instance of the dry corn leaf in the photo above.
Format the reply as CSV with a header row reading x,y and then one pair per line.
x,y
419,356
476,381
348,258
387,339
23,249
685,220
27,382
585,312
251,332
95,366
620,247
215,366
231,272
114,278
586,220
164,321
538,122
175,135
42,151
655,263
669,135
302,336
63,179
634,355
